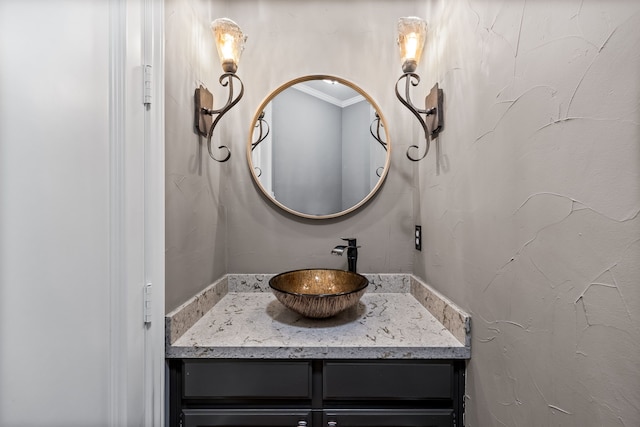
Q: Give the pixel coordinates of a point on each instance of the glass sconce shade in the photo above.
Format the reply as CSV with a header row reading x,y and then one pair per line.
x,y
412,32
230,43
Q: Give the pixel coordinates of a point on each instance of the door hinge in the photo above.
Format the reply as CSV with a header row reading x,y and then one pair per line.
x,y
147,303
147,85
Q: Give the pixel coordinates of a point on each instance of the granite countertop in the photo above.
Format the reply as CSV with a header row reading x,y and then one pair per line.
x,y
399,317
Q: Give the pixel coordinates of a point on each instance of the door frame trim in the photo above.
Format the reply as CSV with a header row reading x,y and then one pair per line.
x,y
125,326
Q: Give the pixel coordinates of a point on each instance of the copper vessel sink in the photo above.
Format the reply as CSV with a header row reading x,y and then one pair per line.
x,y
318,293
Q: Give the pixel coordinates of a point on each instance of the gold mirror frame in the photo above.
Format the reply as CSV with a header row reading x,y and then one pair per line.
x,y
254,123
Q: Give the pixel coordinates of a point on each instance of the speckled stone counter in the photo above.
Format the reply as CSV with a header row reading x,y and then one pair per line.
x,y
398,318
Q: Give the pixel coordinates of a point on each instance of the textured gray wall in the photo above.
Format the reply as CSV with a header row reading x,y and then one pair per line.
x,y
530,213
195,214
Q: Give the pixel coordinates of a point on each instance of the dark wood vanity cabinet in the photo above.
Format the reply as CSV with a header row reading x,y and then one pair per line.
x,y
315,393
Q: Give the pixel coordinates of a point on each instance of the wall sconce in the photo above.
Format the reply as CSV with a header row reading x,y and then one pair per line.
x,y
412,32
230,44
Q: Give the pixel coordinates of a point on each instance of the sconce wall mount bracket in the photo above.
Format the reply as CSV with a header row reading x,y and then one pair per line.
x,y
204,101
433,103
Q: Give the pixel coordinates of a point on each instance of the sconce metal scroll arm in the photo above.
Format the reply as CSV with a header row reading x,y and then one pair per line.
x,y
378,124
262,123
412,79
225,80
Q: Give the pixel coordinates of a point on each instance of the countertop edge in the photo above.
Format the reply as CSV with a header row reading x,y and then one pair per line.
x,y
319,353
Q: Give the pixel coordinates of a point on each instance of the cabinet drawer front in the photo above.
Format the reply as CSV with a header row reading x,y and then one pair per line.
x,y
247,379
244,418
387,380
388,418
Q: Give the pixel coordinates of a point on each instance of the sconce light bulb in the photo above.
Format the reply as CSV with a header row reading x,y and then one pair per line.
x,y
411,43
227,46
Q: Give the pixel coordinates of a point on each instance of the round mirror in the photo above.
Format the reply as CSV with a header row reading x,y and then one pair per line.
x,y
319,147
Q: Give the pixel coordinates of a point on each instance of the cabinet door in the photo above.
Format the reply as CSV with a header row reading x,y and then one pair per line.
x,y
388,418
244,418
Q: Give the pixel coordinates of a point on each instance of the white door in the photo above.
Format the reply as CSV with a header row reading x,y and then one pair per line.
x,y
81,213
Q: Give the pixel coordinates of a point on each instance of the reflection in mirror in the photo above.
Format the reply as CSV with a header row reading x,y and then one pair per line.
x,y
319,147
263,131
377,124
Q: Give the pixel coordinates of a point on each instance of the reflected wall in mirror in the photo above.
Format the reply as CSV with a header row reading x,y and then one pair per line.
x,y
319,147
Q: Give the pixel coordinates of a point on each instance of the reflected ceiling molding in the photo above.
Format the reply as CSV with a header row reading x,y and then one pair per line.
x,y
326,97
411,37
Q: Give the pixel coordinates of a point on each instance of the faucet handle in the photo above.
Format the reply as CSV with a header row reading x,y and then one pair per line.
x,y
351,242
